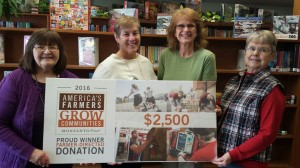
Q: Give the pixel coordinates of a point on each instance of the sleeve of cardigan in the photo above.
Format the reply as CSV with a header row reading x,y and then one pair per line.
x,y
9,139
271,114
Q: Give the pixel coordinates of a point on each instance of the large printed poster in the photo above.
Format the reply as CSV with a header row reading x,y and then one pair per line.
x,y
79,121
138,121
165,121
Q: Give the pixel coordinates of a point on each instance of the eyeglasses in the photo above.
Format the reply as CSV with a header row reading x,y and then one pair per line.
x,y
44,48
260,50
182,26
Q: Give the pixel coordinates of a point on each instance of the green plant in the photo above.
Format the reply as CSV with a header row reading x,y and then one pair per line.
x,y
43,6
8,7
210,16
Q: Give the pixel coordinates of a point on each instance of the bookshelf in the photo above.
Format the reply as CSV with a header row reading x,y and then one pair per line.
x,y
286,149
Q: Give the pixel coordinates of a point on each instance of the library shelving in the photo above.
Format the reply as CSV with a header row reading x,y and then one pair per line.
x,y
286,149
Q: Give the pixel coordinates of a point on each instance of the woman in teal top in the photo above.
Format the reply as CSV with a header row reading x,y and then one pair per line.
x,y
186,58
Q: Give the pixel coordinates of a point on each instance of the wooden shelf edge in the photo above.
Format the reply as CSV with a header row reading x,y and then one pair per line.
x,y
291,106
279,164
80,67
288,136
9,65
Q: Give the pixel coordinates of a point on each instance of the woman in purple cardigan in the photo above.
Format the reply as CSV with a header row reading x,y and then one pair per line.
x,y
22,98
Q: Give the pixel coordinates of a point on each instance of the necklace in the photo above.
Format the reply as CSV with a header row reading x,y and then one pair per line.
x,y
41,97
141,72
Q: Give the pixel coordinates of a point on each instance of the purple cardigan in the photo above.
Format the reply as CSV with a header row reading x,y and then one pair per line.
x,y
18,97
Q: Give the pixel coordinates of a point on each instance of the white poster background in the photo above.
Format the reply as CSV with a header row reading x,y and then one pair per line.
x,y
85,144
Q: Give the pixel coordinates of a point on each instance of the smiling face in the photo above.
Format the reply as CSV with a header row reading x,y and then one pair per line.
x,y
129,42
185,31
46,57
258,56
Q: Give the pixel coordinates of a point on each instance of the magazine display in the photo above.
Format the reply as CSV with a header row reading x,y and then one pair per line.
x,y
166,119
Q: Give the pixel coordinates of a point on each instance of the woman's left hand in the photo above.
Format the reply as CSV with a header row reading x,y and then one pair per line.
x,y
39,158
223,161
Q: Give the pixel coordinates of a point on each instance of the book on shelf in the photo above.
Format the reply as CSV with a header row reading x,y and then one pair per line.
x,y
296,59
241,60
226,12
286,27
194,4
163,21
116,13
2,56
245,11
139,6
69,15
152,53
244,26
5,73
91,75
219,32
88,51
282,61
151,9
125,11
267,15
169,7
26,39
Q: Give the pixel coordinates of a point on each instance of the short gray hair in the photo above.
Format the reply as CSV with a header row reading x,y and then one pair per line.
x,y
263,36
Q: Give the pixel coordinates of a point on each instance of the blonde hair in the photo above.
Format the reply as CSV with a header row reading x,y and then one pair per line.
x,y
190,15
126,22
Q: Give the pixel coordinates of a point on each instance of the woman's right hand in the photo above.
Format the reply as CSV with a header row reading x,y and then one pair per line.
x,y
40,158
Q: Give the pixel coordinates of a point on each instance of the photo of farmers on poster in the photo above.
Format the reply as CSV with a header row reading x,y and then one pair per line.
x,y
166,121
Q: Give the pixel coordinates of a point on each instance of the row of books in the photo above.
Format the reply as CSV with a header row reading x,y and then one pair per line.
x,y
10,24
152,53
217,32
286,61
101,28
